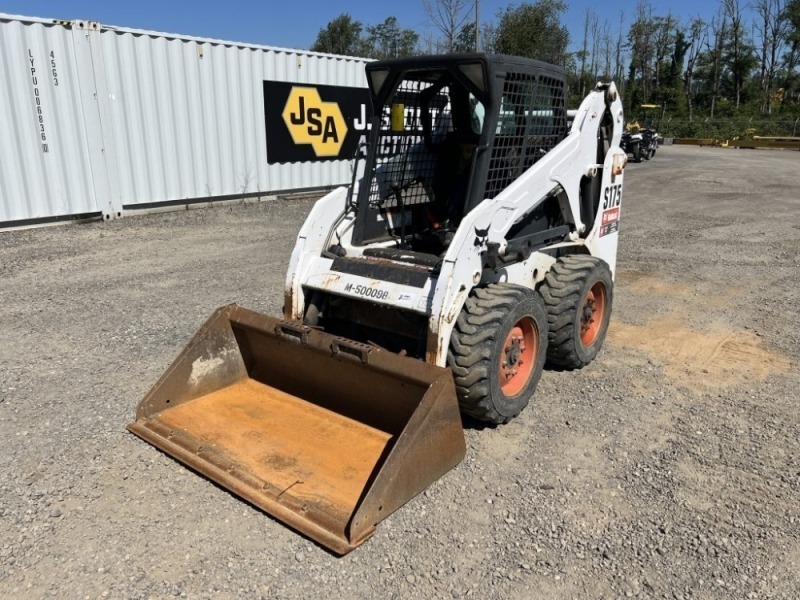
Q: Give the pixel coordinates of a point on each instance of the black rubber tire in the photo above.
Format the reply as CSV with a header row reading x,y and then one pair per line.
x,y
637,153
564,291
477,346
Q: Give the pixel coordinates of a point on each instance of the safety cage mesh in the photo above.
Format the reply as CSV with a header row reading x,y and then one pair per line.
x,y
403,160
531,122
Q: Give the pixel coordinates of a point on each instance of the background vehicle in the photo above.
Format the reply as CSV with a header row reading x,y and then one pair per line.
x,y
633,144
479,234
649,143
641,141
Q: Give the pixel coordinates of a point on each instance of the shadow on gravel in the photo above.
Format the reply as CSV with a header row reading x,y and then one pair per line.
x,y
474,424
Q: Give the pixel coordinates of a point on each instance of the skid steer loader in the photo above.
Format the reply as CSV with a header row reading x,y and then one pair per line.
x,y
476,241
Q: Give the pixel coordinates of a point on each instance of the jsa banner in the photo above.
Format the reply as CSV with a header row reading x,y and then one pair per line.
x,y
314,122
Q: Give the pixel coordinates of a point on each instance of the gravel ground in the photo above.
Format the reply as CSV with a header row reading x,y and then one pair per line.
x,y
668,468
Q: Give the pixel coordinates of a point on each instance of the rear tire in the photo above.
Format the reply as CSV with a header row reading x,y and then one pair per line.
x,y
578,293
497,351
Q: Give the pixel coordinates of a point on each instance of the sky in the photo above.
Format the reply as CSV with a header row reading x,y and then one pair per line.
x,y
295,24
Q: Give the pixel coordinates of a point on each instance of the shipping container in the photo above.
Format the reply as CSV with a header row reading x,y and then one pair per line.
x,y
97,120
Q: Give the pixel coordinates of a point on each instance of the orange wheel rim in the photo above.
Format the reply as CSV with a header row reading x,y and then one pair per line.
x,y
593,311
518,356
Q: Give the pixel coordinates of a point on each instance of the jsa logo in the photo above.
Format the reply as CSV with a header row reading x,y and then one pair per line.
x,y
312,121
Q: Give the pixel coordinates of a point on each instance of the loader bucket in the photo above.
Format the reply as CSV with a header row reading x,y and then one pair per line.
x,y
326,434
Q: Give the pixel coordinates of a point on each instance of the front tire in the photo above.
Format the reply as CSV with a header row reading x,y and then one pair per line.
x,y
637,153
497,351
578,292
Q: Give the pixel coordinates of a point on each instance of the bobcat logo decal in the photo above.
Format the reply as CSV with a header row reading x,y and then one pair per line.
x,y
481,235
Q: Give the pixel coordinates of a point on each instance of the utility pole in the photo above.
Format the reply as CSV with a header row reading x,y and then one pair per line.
x,y
477,25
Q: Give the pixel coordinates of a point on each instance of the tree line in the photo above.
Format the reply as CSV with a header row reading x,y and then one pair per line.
x,y
741,65
529,29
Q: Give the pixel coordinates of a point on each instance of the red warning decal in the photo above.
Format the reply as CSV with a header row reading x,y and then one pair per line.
x,y
610,222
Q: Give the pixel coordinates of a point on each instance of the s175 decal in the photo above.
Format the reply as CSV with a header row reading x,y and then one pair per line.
x,y
612,197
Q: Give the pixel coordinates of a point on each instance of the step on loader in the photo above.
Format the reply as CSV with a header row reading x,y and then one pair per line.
x,y
477,241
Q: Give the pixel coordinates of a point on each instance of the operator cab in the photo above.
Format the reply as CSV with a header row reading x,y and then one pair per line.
x,y
447,133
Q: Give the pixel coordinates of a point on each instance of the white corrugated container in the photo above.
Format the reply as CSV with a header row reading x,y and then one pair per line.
x,y
112,118
45,156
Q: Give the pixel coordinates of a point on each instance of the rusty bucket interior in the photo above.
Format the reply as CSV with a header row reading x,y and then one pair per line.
x,y
326,434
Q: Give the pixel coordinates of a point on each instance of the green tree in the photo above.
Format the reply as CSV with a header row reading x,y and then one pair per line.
x,y
708,67
669,89
341,36
642,37
465,40
389,40
665,40
772,27
791,59
534,30
739,57
697,30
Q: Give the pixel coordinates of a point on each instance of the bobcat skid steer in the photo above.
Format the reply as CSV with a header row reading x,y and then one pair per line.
x,y
477,240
